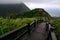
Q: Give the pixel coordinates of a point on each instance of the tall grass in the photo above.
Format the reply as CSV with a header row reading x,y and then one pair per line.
x,y
7,24
56,24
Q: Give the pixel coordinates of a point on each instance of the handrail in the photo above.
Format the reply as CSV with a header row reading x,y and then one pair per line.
x,y
32,23
51,33
53,36
16,31
4,36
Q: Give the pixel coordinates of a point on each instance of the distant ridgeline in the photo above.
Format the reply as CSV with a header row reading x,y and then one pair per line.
x,y
38,12
7,9
21,11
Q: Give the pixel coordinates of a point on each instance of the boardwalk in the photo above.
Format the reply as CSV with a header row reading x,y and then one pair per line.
x,y
39,33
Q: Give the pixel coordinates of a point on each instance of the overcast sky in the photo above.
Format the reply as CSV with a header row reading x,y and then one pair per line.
x,y
35,3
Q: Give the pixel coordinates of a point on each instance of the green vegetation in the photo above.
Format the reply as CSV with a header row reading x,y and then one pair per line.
x,y
13,21
15,18
56,23
6,9
7,25
35,13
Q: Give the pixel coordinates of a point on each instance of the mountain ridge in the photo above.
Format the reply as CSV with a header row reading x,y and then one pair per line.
x,y
6,9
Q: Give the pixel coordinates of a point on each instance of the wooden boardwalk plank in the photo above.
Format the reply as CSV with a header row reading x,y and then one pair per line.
x,y
39,33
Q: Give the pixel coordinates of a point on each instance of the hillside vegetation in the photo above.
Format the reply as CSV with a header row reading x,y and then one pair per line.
x,y
6,9
35,13
56,23
13,21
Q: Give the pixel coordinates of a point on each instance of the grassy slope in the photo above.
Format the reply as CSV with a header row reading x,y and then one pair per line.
x,y
14,21
36,13
56,24
7,25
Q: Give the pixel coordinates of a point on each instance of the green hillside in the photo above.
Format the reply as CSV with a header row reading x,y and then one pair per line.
x,y
56,23
6,9
40,13
13,21
36,13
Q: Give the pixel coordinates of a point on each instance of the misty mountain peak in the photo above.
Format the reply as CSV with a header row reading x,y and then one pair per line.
x,y
6,9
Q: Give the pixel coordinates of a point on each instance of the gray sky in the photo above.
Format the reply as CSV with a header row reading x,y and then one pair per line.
x,y
36,3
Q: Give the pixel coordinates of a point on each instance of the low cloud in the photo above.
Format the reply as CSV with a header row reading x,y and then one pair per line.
x,y
30,1
42,5
35,3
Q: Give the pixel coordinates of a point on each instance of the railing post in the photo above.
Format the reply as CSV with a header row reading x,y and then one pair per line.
x,y
53,36
48,30
28,26
35,23
49,35
39,20
47,26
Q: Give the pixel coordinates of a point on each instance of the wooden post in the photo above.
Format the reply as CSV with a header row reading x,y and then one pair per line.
x,y
35,23
28,28
39,20
47,26
49,35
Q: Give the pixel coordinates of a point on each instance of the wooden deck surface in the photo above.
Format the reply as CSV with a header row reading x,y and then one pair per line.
x,y
38,33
